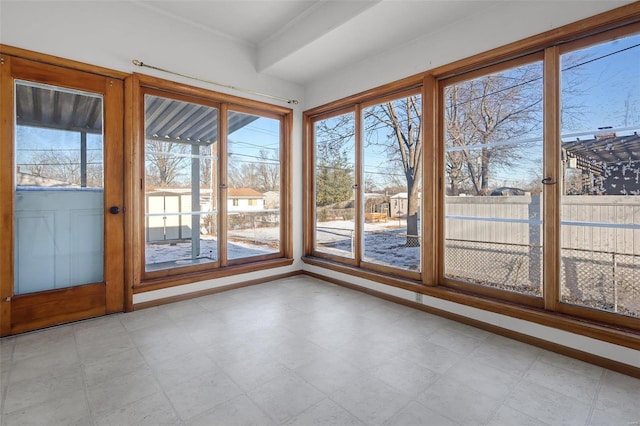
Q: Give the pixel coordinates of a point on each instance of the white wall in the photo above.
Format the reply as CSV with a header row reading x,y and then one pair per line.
x,y
113,33
507,22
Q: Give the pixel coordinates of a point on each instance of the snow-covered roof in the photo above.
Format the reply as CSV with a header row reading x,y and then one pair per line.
x,y
26,179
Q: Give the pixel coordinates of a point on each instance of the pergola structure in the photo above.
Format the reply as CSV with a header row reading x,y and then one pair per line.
x,y
615,160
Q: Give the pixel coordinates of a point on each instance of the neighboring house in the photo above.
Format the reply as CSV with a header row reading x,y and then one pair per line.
x,y
272,200
244,199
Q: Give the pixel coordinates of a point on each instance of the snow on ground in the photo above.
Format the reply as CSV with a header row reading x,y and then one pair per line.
x,y
384,243
242,243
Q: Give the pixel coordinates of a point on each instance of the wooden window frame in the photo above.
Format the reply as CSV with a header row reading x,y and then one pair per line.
x,y
463,285
405,273
356,106
547,310
137,86
310,157
283,152
560,306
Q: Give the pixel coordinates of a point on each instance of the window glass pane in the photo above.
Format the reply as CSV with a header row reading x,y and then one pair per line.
x,y
253,194
335,182
493,157
600,204
392,163
181,144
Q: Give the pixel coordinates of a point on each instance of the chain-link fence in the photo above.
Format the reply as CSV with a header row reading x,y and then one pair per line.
x,y
603,280
513,267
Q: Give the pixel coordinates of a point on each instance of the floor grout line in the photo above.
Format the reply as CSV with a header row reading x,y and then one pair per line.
x,y
596,394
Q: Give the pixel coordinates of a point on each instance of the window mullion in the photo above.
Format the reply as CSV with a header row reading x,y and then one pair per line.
x,y
431,245
551,191
358,187
223,133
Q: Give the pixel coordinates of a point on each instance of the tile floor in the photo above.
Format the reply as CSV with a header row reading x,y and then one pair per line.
x,y
298,352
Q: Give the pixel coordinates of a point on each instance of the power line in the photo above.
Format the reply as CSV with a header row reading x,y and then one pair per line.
x,y
540,78
231,142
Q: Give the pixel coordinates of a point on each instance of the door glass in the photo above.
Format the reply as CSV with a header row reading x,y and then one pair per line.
x,y
253,194
600,204
59,197
181,168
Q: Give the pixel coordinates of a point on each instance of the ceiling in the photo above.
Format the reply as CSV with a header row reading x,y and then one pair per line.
x,y
301,40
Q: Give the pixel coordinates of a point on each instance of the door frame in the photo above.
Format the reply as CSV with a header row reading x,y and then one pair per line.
x,y
17,63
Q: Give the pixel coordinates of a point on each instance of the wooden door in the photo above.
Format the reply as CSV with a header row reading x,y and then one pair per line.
x,y
61,191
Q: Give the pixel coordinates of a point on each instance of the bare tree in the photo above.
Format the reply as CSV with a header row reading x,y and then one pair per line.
x,y
268,171
165,161
402,120
261,173
484,114
66,166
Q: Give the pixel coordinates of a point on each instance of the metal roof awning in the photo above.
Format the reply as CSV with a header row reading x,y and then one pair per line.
x,y
185,122
57,108
166,119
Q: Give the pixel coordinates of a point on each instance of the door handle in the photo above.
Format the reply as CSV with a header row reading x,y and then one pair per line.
x,y
114,210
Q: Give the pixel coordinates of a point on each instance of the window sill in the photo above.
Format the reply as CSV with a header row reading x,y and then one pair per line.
x,y
188,278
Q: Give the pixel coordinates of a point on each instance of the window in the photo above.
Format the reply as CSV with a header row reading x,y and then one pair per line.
x,y
493,167
392,165
214,182
368,184
535,195
253,229
600,198
181,200
335,183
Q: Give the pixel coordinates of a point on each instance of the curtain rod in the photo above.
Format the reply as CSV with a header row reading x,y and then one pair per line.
x,y
252,92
